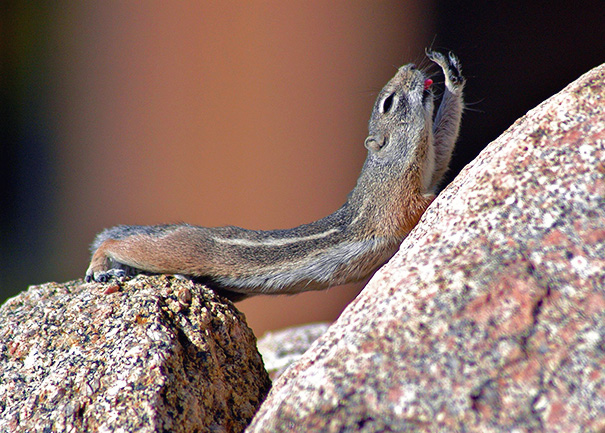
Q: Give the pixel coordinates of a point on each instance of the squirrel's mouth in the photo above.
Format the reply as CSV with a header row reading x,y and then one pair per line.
x,y
426,91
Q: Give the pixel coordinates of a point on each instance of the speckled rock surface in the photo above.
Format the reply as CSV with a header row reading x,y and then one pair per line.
x,y
491,318
282,348
151,354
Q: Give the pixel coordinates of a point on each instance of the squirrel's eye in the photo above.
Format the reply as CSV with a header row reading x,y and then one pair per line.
x,y
388,103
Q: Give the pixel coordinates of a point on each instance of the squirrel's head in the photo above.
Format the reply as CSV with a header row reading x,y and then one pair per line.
x,y
402,119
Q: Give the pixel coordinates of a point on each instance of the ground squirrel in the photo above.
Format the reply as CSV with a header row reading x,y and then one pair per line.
x,y
408,153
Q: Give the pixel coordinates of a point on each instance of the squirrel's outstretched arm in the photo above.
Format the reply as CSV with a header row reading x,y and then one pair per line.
x,y
449,114
406,153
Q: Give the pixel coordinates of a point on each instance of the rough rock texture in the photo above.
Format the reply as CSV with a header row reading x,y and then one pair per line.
x,y
491,318
150,354
280,349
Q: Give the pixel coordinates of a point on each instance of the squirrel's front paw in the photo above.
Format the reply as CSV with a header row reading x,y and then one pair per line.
x,y
452,69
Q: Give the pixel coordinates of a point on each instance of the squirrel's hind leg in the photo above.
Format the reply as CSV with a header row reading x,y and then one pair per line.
x,y
103,267
127,250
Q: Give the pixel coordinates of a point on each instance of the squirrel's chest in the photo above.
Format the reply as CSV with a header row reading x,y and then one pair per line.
x,y
396,217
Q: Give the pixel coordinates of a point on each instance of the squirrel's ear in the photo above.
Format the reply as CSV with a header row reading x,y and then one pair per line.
x,y
375,143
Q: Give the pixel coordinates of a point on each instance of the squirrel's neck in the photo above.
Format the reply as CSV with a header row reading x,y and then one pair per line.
x,y
387,199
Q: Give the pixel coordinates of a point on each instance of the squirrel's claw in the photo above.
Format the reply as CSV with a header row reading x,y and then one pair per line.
x,y
452,70
104,275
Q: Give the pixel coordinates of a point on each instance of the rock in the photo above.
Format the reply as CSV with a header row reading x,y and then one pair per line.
x,y
491,317
280,349
151,354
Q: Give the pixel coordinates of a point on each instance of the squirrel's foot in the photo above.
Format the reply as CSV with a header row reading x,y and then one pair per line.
x,y
454,81
104,276
102,267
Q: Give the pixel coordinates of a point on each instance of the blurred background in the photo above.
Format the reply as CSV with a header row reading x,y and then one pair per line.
x,y
237,113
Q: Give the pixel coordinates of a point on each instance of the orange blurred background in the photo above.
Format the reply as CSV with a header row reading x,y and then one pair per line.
x,y
234,113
